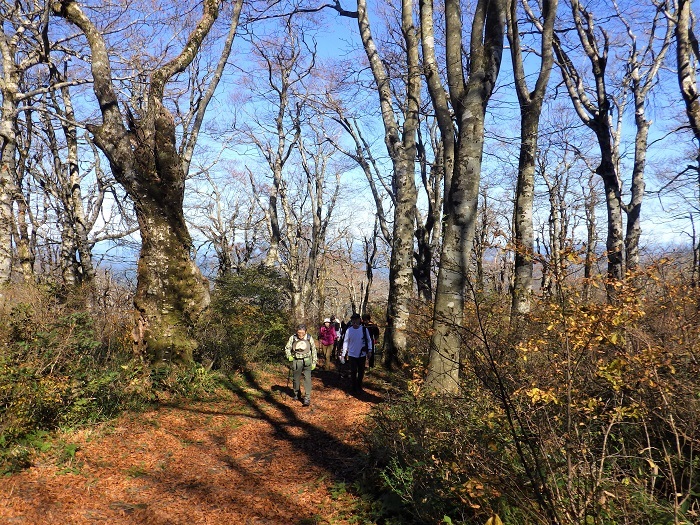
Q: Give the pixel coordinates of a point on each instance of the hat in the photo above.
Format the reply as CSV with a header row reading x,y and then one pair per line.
x,y
355,316
326,320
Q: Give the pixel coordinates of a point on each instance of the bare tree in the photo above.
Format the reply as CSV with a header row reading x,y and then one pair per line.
x,y
22,49
323,192
230,221
530,109
140,145
468,98
63,182
361,153
276,135
643,65
601,107
400,141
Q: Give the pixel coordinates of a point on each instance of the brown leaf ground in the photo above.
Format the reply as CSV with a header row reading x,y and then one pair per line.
x,y
256,457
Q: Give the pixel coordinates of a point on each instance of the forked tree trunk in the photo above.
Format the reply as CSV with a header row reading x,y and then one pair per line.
x,y
530,109
171,292
469,101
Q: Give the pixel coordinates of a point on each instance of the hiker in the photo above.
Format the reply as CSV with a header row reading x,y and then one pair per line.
x,y
374,334
341,363
327,337
337,345
357,345
301,353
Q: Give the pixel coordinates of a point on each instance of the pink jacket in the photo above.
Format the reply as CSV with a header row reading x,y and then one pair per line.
x,y
326,335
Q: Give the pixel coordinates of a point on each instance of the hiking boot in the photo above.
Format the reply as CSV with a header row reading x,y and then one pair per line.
x,y
306,402
297,396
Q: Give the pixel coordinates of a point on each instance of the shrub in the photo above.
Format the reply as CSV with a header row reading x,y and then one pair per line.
x,y
436,457
60,365
582,413
247,321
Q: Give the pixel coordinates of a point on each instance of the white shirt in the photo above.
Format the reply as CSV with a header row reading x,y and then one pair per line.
x,y
354,341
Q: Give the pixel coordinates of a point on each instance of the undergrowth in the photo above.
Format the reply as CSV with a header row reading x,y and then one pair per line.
x,y
583,413
63,366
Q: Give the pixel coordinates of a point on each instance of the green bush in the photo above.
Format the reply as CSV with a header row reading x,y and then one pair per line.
x,y
60,366
247,320
435,457
63,365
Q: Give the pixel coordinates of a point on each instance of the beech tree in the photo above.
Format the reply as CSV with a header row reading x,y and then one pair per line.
x,y
322,188
23,50
468,98
292,140
230,221
600,99
530,109
275,129
687,58
400,126
140,145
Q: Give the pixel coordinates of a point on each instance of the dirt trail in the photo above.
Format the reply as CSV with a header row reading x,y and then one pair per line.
x,y
256,458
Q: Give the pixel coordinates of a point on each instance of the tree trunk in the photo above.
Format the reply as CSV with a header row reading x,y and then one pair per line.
x,y
634,208
423,264
685,38
614,243
522,215
591,239
401,261
23,238
401,146
686,46
469,102
530,109
170,292
273,221
8,156
75,197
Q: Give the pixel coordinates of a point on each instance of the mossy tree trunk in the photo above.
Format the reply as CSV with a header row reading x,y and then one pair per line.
x,y
171,292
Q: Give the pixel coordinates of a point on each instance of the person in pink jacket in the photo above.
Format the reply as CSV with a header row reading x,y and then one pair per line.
x,y
326,338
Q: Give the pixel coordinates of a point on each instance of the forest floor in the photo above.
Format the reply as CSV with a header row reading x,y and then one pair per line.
x,y
253,456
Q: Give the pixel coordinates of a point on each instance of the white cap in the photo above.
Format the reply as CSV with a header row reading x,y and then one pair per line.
x,y
326,320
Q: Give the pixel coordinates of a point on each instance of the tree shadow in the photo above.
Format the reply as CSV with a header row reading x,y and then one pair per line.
x,y
342,462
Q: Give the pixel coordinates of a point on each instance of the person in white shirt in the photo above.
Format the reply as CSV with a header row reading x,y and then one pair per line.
x,y
357,345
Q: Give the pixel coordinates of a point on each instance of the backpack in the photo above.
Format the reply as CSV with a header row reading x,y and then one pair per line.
x,y
301,348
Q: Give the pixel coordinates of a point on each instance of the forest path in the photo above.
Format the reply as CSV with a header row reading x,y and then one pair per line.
x,y
256,457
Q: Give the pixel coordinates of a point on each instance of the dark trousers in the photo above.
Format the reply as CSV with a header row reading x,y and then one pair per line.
x,y
357,372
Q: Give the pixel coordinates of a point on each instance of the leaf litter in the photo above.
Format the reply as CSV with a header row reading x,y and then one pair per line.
x,y
255,457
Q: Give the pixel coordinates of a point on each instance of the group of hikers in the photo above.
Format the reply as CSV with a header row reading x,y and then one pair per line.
x,y
354,343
